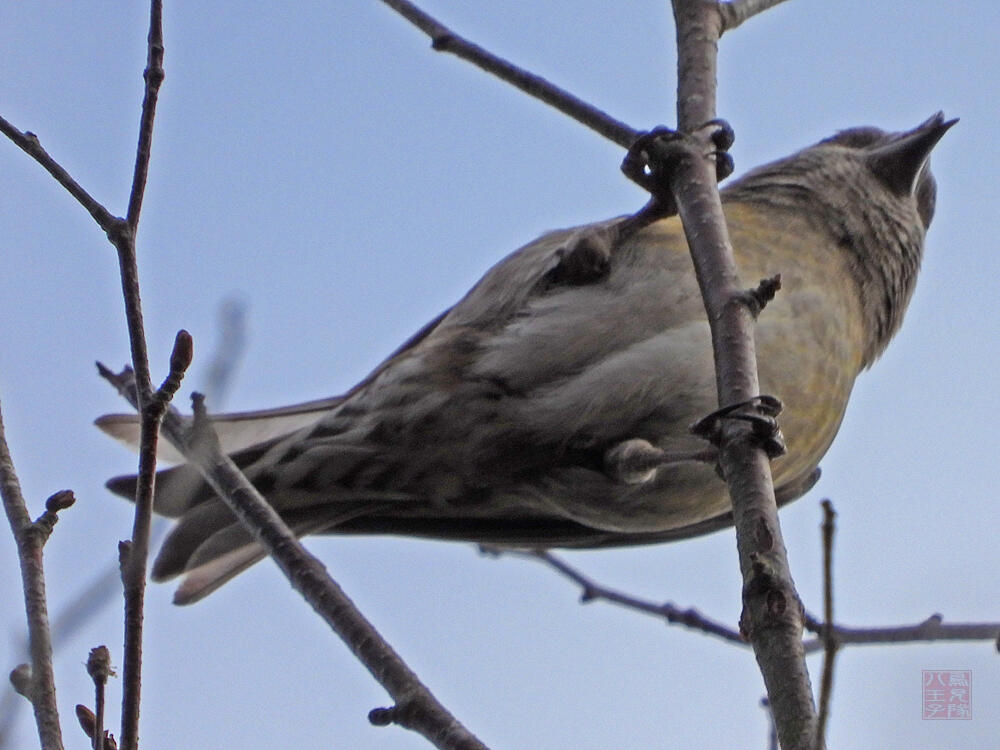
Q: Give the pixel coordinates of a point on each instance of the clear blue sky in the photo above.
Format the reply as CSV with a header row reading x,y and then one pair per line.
x,y
319,160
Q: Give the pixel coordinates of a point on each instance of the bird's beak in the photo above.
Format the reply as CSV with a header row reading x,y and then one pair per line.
x,y
899,161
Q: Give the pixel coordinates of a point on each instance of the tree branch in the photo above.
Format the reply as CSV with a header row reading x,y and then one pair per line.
x,y
771,616
930,630
444,39
151,406
153,76
99,669
416,708
134,555
29,143
30,538
829,640
591,590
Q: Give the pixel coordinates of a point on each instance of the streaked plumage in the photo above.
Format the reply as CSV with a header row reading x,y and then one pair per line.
x,y
495,422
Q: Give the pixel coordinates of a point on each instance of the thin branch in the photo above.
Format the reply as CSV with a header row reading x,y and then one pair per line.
x,y
828,637
135,554
930,630
153,76
30,538
99,669
29,143
771,616
121,232
591,590
415,706
444,39
735,12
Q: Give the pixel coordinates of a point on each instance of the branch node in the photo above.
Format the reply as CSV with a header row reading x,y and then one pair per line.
x,y
60,500
119,232
22,682
180,360
99,664
154,76
124,553
442,42
45,523
382,717
756,299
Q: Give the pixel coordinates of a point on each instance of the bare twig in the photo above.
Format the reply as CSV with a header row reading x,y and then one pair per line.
x,y
444,39
735,12
153,76
772,617
415,706
828,637
151,406
29,143
931,629
99,669
95,595
30,538
591,590
135,554
122,233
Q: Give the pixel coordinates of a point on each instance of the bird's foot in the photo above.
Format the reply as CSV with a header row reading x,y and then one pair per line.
x,y
636,461
760,412
653,156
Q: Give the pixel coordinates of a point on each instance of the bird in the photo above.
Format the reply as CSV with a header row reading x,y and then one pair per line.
x,y
551,406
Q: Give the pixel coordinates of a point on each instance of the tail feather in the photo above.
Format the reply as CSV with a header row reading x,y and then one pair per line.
x,y
178,489
236,431
203,581
189,534
231,550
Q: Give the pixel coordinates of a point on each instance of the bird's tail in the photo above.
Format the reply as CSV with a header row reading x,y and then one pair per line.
x,y
208,545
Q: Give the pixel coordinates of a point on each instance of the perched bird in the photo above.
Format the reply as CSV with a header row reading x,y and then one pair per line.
x,y
514,418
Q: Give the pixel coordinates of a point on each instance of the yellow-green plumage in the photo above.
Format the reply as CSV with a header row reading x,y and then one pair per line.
x,y
505,419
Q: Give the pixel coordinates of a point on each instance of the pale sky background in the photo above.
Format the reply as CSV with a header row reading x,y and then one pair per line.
x,y
320,161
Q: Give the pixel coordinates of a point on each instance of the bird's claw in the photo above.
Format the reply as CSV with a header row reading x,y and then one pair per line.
x,y
760,412
653,154
722,136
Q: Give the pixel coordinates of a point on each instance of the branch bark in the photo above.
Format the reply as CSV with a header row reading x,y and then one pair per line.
x,y
444,39
30,538
772,617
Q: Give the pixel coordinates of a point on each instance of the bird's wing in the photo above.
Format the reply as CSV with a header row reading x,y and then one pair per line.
x,y
500,294
240,430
